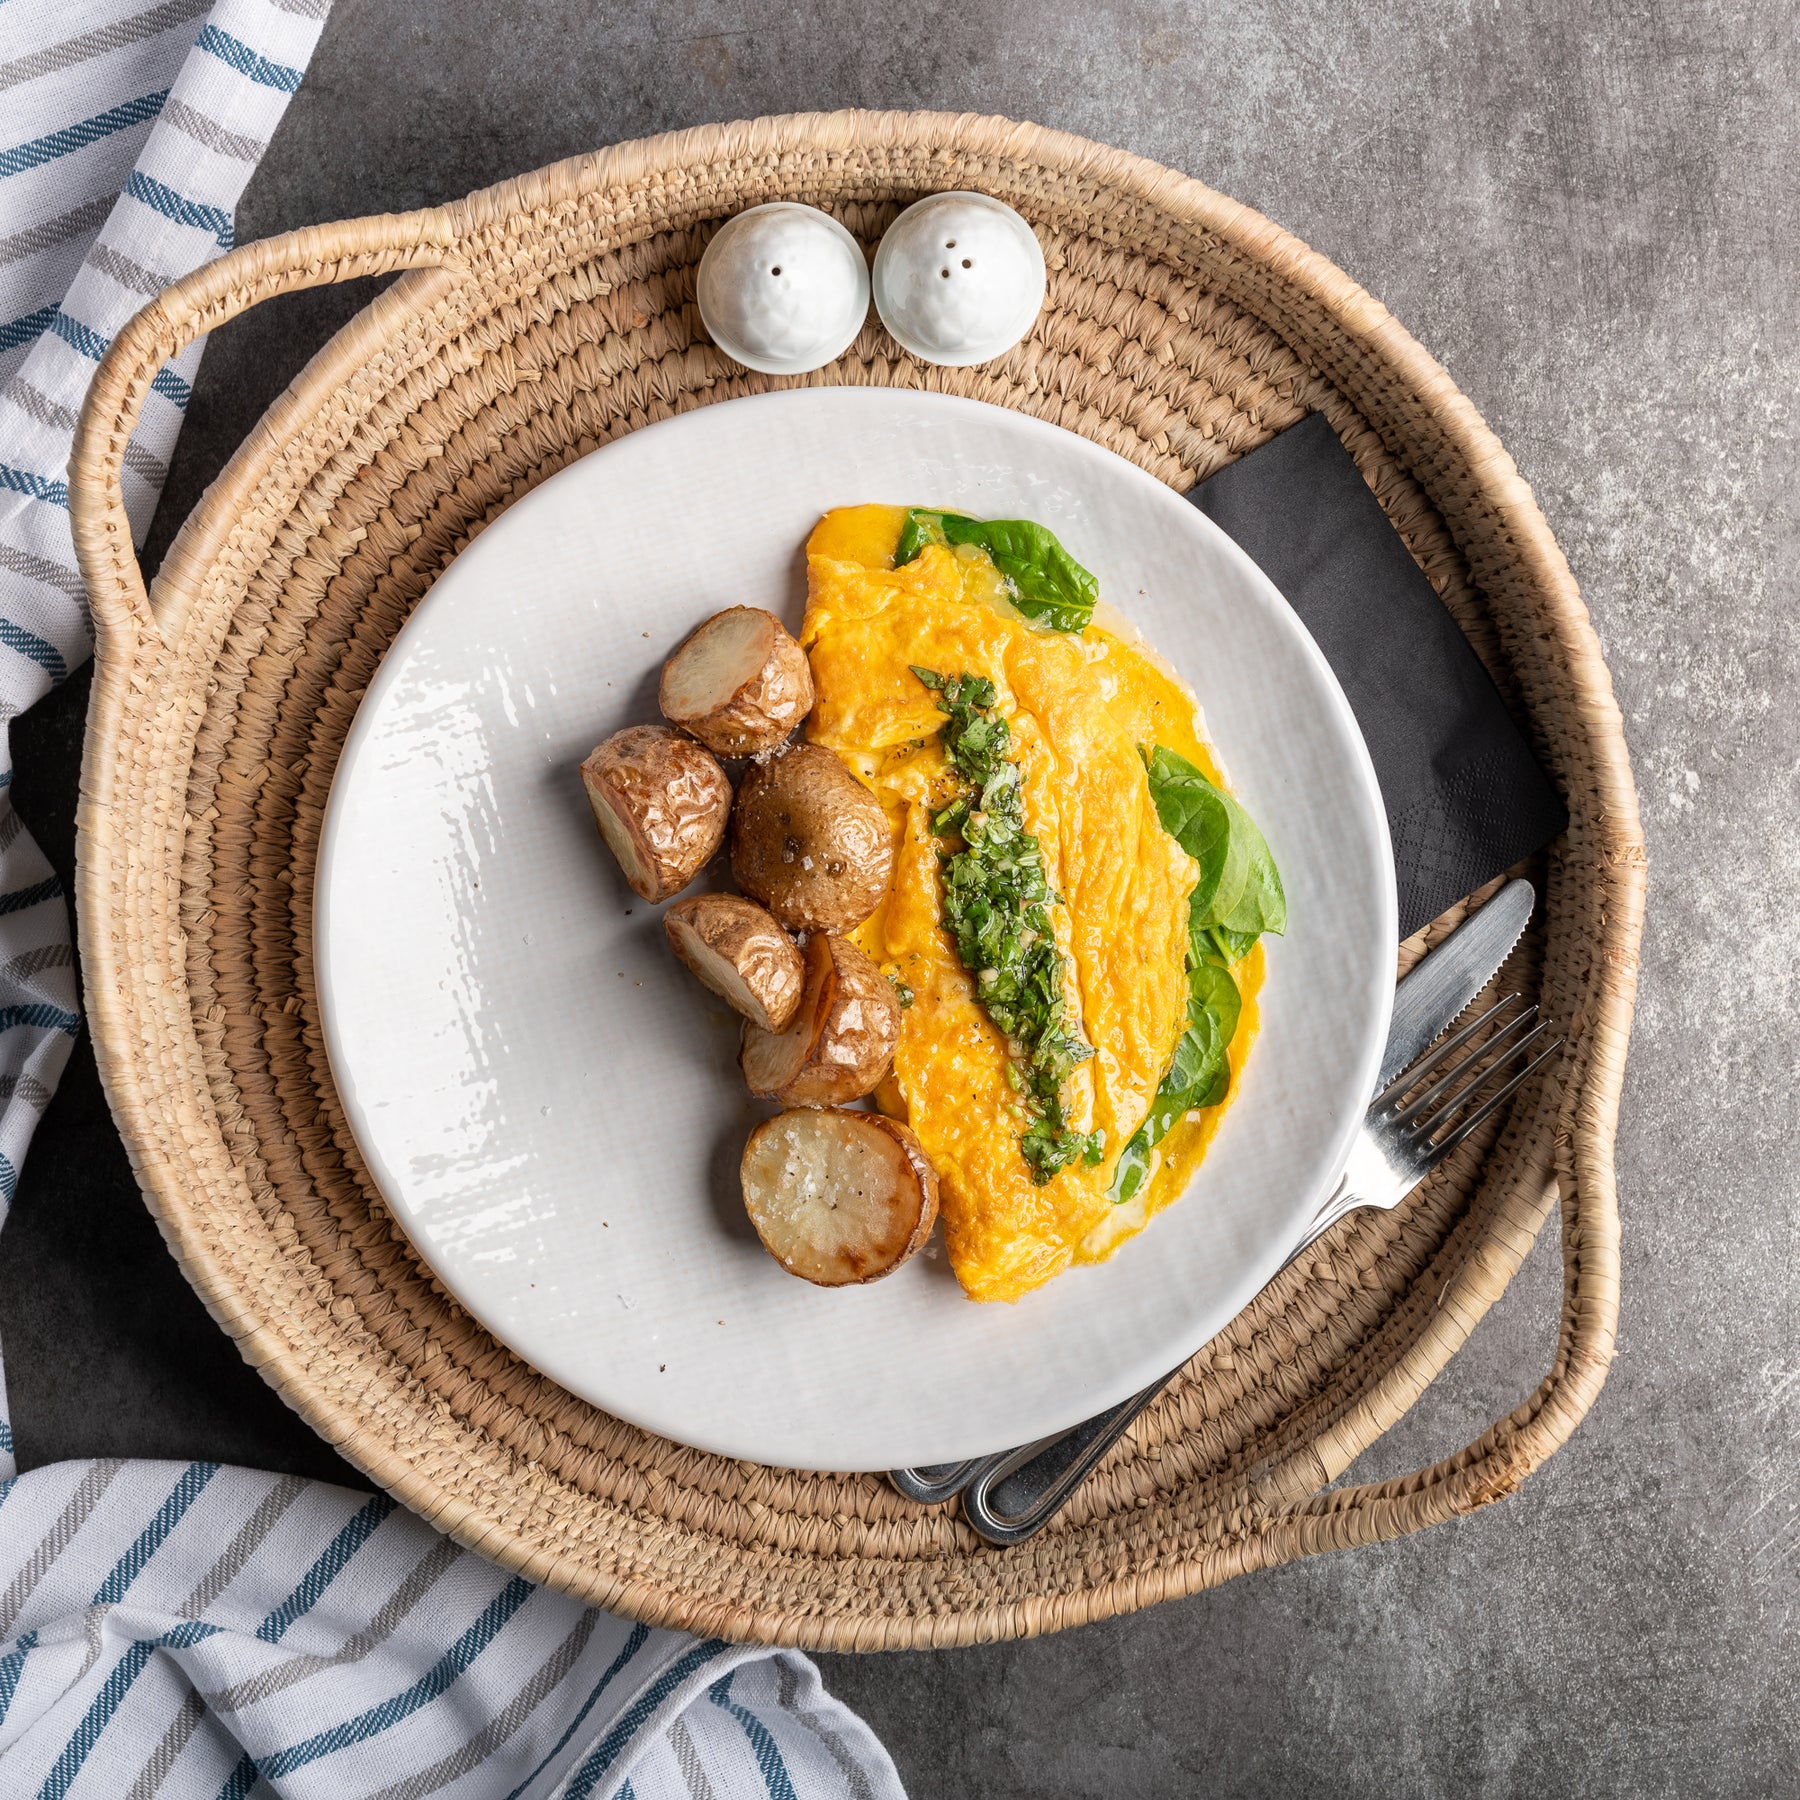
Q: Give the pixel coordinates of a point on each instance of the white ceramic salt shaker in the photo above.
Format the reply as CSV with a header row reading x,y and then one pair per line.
x,y
959,278
783,288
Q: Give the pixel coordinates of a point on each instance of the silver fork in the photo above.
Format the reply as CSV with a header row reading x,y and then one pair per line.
x,y
1411,1126
1399,1145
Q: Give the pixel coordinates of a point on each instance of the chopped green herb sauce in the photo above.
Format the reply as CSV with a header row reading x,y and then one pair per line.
x,y
997,906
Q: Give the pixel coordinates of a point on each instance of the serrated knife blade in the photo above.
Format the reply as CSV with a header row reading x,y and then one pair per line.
x,y
1429,999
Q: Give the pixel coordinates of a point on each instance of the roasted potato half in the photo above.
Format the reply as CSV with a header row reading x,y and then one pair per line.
x,y
838,1197
810,841
738,951
662,803
840,1041
739,683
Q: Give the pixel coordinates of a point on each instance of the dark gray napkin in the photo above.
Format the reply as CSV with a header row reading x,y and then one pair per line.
x,y
1465,797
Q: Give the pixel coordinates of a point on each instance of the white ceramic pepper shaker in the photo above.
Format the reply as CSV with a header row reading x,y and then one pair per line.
x,y
783,288
959,278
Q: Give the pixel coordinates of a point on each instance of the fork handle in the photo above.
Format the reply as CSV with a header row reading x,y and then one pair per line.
x,y
933,1483
1013,1494
1017,1493
1344,1201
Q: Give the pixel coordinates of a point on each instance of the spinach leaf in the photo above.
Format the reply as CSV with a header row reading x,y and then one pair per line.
x,y
1212,987
1196,815
920,529
1047,584
1229,947
1200,1067
1260,904
1132,1168
1199,1075
1236,898
1239,886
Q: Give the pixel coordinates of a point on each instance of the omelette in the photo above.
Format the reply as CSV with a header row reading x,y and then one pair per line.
x,y
1046,1024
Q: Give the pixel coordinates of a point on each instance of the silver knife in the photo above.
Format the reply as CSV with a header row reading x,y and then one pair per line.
x,y
1426,1004
1440,986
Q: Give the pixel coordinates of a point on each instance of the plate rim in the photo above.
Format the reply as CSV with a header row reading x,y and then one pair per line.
x,y
1260,1267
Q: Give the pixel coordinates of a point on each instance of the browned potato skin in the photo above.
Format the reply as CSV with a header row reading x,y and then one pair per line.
x,y
745,937
668,801
854,1264
766,706
805,808
840,1043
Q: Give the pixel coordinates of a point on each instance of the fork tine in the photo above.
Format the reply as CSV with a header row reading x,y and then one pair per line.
x,y
1428,1100
1470,1091
1434,1055
1445,1145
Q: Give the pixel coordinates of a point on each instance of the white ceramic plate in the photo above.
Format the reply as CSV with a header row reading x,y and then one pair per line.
x,y
551,1103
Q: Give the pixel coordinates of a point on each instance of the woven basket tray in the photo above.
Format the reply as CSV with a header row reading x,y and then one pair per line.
x,y
550,315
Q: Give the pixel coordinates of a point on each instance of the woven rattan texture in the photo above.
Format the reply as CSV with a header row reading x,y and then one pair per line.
x,y
547,317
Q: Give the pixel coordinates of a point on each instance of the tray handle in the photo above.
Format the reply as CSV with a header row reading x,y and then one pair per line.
x,y
1296,1492
315,256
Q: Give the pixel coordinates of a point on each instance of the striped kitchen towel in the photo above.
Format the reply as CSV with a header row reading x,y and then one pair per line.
x,y
193,1630
197,1631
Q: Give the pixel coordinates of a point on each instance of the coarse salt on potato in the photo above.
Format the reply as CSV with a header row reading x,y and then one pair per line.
x,y
739,683
840,1042
810,841
838,1198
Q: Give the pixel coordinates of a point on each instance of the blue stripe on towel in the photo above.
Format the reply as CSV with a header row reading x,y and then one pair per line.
x,y
118,1684
21,331
79,336
768,1754
78,136
10,1666
640,1635
125,1571
20,898
165,200
426,1689
75,1752
631,1721
241,1779
28,643
39,487
93,346
44,1018
326,1570
246,61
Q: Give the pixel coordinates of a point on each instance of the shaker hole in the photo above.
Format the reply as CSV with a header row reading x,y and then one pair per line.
x,y
776,270
967,264
949,243
945,273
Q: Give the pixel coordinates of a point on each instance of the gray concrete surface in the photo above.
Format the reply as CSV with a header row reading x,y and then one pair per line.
x,y
1588,212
